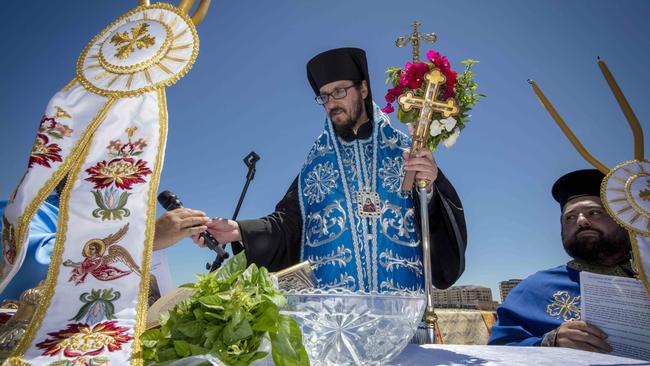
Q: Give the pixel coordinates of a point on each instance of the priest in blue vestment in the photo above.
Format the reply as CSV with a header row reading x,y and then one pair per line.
x,y
544,309
345,212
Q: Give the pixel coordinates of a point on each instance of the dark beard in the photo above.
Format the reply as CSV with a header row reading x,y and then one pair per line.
x,y
345,129
594,249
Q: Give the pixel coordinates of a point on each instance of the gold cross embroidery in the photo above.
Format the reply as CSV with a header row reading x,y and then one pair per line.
x,y
645,194
565,306
138,38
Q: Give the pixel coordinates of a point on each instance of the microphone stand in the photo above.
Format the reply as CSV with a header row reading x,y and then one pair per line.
x,y
250,160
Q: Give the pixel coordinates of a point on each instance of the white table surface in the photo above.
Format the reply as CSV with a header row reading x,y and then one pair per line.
x,y
428,355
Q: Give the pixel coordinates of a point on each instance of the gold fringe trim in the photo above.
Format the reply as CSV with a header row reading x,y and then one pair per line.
x,y
141,310
643,272
77,157
15,361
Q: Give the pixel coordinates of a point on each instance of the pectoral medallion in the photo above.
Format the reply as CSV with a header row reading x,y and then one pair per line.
x,y
368,203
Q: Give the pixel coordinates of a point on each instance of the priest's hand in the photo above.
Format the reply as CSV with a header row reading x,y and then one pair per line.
x,y
225,231
177,224
580,335
424,166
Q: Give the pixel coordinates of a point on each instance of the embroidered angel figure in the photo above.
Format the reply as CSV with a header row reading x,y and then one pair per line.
x,y
99,254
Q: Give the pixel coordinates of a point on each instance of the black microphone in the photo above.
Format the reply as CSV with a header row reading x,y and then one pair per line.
x,y
170,201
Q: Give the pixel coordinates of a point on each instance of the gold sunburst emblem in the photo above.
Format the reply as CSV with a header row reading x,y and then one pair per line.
x,y
149,47
626,193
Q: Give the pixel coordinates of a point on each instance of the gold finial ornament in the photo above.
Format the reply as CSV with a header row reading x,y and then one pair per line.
x,y
185,6
414,39
637,132
567,131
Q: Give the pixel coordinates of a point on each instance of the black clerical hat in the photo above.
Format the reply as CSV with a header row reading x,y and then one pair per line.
x,y
576,184
339,64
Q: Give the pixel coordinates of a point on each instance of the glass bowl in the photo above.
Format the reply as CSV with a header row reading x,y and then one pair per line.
x,y
354,328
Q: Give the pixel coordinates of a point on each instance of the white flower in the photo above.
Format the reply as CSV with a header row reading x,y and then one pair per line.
x,y
411,129
449,123
451,140
436,128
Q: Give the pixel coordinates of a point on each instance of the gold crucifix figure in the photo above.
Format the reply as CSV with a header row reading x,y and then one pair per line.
x,y
414,39
428,104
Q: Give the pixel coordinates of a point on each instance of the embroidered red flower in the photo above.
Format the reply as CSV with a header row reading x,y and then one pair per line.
x,y
42,153
123,172
46,124
80,339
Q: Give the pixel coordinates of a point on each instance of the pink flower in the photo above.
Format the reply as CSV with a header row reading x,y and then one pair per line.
x,y
449,93
388,108
421,68
432,55
393,93
403,80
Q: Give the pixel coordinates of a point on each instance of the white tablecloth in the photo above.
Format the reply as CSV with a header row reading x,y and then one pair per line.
x,y
429,355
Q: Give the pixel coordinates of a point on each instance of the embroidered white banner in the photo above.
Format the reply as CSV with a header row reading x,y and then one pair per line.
x,y
104,133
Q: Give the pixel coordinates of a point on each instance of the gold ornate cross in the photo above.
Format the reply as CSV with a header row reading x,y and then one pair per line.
x,y
427,105
414,39
139,38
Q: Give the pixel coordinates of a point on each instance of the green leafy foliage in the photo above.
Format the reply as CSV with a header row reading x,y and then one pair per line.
x,y
230,313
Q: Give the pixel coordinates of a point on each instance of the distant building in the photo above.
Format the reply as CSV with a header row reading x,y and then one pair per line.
x,y
464,297
506,286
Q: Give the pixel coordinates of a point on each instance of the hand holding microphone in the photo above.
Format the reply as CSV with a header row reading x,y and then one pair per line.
x,y
184,222
224,230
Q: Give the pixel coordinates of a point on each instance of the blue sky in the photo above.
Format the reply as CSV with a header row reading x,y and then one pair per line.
x,y
248,91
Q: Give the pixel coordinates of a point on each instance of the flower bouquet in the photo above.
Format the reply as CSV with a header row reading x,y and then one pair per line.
x,y
461,87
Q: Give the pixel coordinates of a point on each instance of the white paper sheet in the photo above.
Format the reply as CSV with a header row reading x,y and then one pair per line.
x,y
620,307
160,269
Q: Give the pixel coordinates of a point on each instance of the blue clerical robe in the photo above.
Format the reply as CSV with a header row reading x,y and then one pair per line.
x,y
536,306
42,233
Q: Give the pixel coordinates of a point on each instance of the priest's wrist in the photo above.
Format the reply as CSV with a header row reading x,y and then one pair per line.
x,y
550,338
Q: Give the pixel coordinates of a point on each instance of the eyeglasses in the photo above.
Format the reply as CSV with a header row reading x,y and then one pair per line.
x,y
338,93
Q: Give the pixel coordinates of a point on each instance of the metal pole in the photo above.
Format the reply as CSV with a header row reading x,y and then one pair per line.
x,y
430,316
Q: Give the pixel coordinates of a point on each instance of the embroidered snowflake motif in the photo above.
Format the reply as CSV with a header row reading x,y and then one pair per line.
x,y
391,174
565,306
320,182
